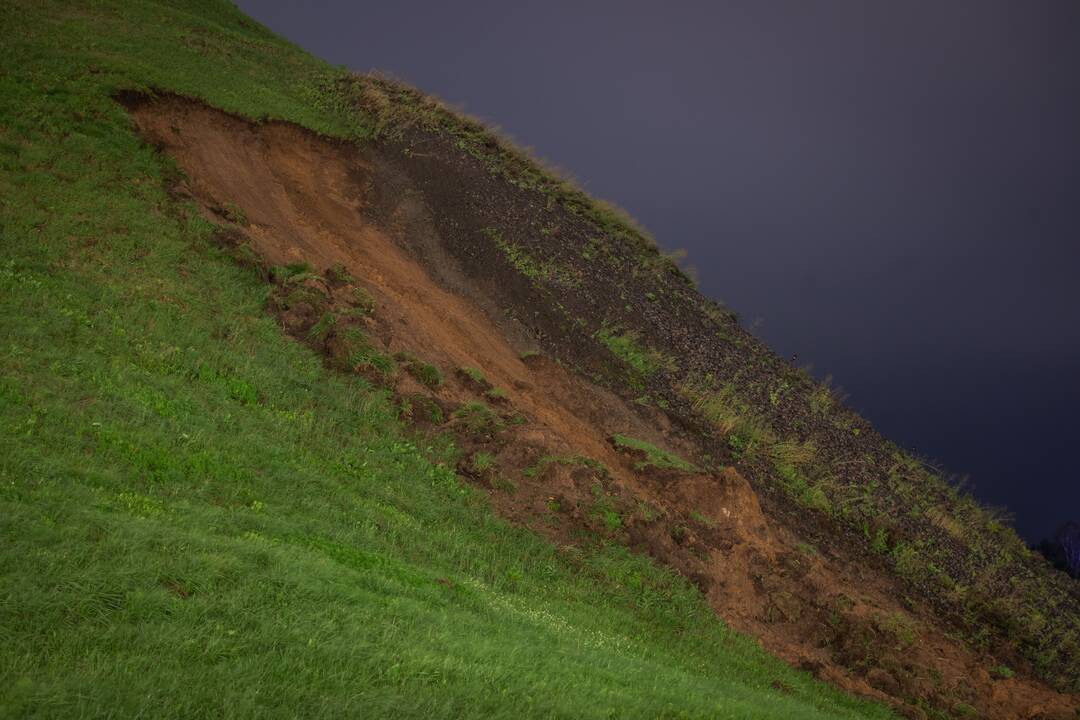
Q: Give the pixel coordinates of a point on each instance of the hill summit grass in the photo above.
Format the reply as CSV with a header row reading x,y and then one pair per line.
x,y
199,520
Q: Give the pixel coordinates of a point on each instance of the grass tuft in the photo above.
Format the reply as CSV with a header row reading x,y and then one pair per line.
x,y
654,456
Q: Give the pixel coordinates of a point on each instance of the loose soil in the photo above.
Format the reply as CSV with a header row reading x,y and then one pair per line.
x,y
378,214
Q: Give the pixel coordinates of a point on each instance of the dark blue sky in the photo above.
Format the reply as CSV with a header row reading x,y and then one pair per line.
x,y
893,189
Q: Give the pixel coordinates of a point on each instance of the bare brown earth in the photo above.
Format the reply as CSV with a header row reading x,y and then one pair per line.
x,y
353,215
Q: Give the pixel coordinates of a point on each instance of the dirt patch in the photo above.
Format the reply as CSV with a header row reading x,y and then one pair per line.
x,y
362,272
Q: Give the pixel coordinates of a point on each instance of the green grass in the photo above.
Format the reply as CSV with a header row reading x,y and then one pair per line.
x,y
528,265
654,456
200,520
478,419
538,468
482,462
473,374
424,372
641,361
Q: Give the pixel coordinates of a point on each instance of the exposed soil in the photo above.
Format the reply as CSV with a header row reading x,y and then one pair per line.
x,y
376,218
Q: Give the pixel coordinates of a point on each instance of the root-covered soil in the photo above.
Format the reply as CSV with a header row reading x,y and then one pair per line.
x,y
368,267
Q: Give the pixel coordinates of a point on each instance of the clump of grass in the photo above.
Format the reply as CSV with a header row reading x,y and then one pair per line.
x,y
526,264
340,275
358,354
362,301
503,484
1002,672
907,561
292,272
323,327
425,373
789,460
701,519
962,709
496,395
603,509
542,463
902,628
641,360
478,419
235,214
724,410
482,462
821,400
473,374
654,456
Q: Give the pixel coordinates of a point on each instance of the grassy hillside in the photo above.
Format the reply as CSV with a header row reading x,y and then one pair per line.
x,y
198,519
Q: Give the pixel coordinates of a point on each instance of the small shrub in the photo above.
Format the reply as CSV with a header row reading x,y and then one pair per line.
x,y
1001,672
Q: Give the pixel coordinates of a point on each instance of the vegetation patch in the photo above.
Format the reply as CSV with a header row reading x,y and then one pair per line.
x,y
791,460
425,373
473,376
651,455
732,417
603,509
496,396
640,360
528,265
478,419
538,468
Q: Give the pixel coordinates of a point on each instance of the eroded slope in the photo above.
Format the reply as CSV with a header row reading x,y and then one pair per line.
x,y
413,273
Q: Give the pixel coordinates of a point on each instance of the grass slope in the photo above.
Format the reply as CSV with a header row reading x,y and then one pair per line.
x,y
198,519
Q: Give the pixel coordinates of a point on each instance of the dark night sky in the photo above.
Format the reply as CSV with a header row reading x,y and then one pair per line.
x,y
892,188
